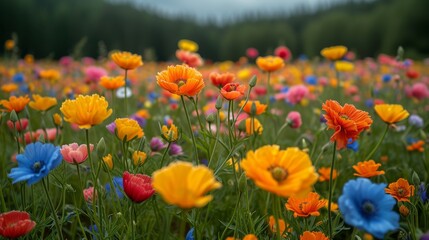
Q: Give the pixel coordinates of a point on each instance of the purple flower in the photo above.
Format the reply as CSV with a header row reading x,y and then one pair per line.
x,y
141,121
156,144
175,150
111,127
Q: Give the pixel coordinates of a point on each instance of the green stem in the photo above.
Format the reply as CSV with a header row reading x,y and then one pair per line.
x,y
54,213
195,102
125,98
217,137
276,205
378,144
132,211
164,154
330,192
3,203
232,217
190,130
269,88
113,103
280,131
182,226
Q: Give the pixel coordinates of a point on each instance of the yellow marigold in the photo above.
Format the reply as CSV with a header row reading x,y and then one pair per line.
x,y
367,169
139,157
185,185
50,74
15,103
325,173
127,60
9,87
188,45
42,103
170,134
58,121
283,172
86,111
344,66
391,113
334,53
108,161
401,190
181,80
270,63
112,83
253,127
127,129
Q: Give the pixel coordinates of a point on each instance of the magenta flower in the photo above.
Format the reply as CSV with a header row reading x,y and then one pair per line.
x,y
93,73
296,94
294,119
88,194
74,153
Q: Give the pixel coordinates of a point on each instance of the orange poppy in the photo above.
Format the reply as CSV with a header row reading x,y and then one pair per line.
x,y
112,83
181,80
307,235
221,79
15,103
282,224
127,60
232,91
417,146
348,122
401,190
260,108
305,207
324,174
9,87
367,169
334,53
270,63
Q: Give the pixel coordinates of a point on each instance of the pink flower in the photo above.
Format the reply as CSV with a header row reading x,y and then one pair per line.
x,y
66,61
294,119
418,91
296,94
283,52
20,125
252,53
93,73
88,194
51,134
352,90
189,58
74,153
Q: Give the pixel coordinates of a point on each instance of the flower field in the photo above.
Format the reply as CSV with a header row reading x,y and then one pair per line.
x,y
261,148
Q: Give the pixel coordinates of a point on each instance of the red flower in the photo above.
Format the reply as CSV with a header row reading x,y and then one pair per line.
x,y
138,187
20,125
220,80
232,91
15,224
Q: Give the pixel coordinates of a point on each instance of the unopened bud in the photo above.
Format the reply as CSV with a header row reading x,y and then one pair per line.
x,y
416,179
219,102
253,109
211,118
13,116
252,81
400,55
101,147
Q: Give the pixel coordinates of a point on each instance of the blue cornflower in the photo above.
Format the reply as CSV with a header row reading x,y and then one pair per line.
x,y
423,193
118,183
312,80
386,78
36,162
353,145
190,235
416,121
365,205
18,78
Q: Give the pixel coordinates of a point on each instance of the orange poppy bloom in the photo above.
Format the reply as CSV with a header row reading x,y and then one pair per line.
x,y
127,60
334,53
324,174
270,63
42,103
401,190
250,237
9,87
391,113
367,169
282,172
232,91
348,122
181,80
260,108
307,235
282,224
112,83
15,103
305,207
221,79
417,146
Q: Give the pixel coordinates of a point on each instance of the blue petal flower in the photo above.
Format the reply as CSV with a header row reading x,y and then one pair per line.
x,y
36,162
118,184
366,206
353,145
190,235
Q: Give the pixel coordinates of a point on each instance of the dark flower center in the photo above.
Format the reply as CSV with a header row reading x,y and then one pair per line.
x,y
368,207
37,166
278,173
401,192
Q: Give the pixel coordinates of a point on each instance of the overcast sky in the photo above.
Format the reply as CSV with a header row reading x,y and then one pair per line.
x,y
224,10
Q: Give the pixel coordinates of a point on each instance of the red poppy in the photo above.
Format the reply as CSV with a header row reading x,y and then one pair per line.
x,y
138,187
232,91
15,224
220,80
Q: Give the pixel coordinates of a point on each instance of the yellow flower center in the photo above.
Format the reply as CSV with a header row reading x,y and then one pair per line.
x,y
181,82
278,173
343,116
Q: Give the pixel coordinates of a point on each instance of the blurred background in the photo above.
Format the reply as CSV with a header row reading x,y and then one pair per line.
x,y
224,29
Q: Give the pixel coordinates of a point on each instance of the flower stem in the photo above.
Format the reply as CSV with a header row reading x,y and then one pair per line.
x,y
217,137
280,131
378,144
182,226
195,102
57,224
276,205
269,88
164,154
125,98
330,191
190,129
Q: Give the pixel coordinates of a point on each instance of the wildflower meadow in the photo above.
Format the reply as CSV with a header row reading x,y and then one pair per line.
x,y
266,147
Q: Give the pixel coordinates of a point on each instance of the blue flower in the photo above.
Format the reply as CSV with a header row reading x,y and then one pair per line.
x,y
386,78
353,145
36,162
423,193
18,78
365,205
118,183
190,235
416,120
312,80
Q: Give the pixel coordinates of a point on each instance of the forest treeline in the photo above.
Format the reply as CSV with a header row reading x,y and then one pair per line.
x,y
55,28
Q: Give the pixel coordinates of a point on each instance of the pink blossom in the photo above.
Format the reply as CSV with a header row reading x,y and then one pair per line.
x,y
294,119
283,52
296,94
88,194
20,125
66,61
93,73
252,52
189,58
418,90
50,132
74,153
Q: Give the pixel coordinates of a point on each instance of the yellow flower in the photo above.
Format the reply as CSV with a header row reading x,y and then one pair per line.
x,y
344,66
283,172
253,127
112,83
9,87
127,129
108,161
334,53
42,103
9,44
86,111
391,113
58,121
185,185
170,134
50,74
188,45
270,63
15,103
139,158
127,60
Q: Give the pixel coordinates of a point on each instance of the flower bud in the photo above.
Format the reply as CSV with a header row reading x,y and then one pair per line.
x,y
219,102
211,118
13,116
252,81
101,147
